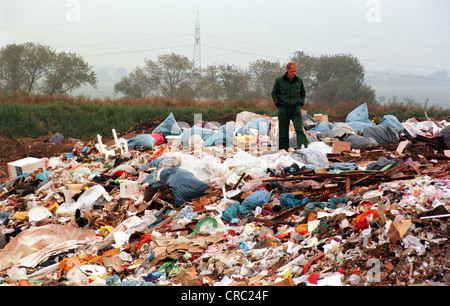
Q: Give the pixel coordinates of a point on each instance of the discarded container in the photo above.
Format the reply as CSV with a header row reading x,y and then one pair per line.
x,y
25,165
38,213
129,189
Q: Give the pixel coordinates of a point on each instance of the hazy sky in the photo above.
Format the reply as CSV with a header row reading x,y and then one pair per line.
x,y
401,35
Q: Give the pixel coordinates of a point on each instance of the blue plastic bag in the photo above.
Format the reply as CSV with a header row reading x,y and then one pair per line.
x,y
204,134
144,141
392,121
184,184
168,127
260,124
234,211
218,139
228,128
359,114
289,201
257,198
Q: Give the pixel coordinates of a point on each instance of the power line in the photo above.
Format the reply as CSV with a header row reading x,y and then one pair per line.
x,y
387,73
242,52
331,32
130,41
408,76
290,50
136,51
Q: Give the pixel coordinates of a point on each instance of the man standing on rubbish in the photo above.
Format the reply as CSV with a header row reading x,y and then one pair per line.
x,y
288,94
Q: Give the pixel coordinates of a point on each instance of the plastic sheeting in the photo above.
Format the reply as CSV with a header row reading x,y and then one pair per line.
x,y
35,241
261,125
312,157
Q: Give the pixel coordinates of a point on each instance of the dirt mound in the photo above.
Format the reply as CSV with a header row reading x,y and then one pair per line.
x,y
14,149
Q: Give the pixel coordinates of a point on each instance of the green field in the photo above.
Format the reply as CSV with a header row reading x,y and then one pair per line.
x,y
81,117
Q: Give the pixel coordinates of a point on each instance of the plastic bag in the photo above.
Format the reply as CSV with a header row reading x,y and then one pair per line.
x,y
342,128
245,117
86,201
207,168
311,156
289,201
260,124
235,210
187,134
445,133
183,184
56,138
360,142
229,128
144,141
382,162
158,137
257,198
382,134
359,126
359,114
278,162
392,121
168,127
218,138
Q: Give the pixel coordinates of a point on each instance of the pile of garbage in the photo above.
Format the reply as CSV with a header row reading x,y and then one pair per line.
x,y
219,205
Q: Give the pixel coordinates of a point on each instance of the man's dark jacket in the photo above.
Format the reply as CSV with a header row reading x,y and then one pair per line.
x,y
288,93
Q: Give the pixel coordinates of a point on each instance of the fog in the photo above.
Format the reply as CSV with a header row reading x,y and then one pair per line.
x,y
392,39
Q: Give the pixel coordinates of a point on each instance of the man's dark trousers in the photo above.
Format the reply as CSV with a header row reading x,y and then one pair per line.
x,y
285,115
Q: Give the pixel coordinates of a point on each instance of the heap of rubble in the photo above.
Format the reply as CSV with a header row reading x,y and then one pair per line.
x,y
169,210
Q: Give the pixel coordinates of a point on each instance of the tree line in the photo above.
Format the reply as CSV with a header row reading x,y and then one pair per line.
x,y
33,68
328,79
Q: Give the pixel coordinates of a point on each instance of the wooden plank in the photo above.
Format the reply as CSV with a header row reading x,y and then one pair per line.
x,y
401,146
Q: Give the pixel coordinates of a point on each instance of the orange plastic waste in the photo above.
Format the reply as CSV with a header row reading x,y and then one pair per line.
x,y
71,262
306,267
363,216
144,239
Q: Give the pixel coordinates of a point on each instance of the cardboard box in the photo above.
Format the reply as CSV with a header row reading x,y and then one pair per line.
x,y
129,189
24,165
341,146
321,118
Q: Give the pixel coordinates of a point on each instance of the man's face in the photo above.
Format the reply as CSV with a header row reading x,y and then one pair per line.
x,y
291,71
